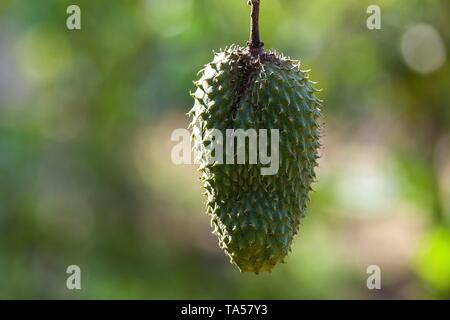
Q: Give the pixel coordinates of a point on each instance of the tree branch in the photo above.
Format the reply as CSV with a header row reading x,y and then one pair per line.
x,y
255,45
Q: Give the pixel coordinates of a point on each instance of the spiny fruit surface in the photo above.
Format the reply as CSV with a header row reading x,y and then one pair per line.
x,y
256,216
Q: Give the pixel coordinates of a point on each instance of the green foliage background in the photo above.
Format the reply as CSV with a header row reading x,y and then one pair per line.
x,y
85,170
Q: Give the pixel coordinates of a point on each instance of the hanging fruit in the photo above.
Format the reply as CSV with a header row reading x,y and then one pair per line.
x,y
256,216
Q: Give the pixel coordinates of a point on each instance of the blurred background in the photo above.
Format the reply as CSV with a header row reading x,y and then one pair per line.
x,y
85,170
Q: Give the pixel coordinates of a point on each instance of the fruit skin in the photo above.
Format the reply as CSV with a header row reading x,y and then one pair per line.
x,y
256,217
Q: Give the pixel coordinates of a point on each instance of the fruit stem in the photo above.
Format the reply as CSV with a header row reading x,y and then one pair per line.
x,y
255,45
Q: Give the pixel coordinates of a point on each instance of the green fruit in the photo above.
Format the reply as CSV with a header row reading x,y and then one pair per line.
x,y
256,216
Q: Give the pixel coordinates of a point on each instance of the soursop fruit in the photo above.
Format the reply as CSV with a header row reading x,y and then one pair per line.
x,y
256,216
